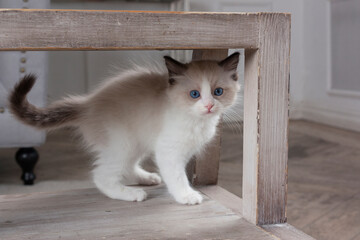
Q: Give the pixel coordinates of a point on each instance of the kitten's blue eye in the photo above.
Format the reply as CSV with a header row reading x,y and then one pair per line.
x,y
218,91
194,94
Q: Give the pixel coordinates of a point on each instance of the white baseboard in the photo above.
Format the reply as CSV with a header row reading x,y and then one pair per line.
x,y
338,118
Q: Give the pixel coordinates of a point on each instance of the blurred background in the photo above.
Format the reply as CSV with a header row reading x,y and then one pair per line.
x,y
324,136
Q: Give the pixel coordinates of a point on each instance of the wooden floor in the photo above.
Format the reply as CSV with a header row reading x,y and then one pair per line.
x,y
324,179
87,214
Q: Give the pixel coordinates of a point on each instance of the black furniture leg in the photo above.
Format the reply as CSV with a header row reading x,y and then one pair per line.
x,y
27,158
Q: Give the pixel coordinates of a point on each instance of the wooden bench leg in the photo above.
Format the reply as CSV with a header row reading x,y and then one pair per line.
x,y
266,99
204,171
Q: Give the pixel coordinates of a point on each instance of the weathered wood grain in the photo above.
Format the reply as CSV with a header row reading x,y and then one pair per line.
x,y
323,179
116,30
287,232
87,214
250,139
206,167
266,38
266,123
223,197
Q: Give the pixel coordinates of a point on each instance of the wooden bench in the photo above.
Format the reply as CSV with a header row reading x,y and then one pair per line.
x,y
86,214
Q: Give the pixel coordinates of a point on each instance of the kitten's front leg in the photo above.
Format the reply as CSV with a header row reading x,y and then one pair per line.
x,y
172,168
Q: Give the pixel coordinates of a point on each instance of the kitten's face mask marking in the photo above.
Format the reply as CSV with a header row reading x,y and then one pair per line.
x,y
203,88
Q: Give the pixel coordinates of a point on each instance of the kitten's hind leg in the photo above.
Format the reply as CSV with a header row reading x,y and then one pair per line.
x,y
107,179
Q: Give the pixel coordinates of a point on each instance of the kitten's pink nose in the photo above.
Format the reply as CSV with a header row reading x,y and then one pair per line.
x,y
209,106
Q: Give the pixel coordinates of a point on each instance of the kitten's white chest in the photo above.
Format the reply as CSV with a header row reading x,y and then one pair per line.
x,y
202,132
188,133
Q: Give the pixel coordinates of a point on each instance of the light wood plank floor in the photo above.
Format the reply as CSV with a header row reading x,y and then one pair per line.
x,y
324,179
87,214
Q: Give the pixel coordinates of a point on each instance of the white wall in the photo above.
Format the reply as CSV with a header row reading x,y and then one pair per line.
x,y
320,103
345,39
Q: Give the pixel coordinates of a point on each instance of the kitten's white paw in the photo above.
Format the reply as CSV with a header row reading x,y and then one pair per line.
x,y
127,194
190,198
138,195
149,179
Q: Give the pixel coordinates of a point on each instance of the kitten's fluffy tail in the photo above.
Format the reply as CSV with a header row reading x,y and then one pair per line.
x,y
58,114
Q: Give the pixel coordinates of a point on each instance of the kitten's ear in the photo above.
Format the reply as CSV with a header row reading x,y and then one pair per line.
x,y
174,67
230,63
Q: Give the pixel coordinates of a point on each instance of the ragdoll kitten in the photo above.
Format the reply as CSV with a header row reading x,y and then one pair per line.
x,y
170,115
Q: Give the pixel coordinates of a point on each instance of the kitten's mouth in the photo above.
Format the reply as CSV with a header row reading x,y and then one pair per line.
x,y
209,112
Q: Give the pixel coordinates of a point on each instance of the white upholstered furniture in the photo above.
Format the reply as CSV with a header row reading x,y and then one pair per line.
x,y
13,66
